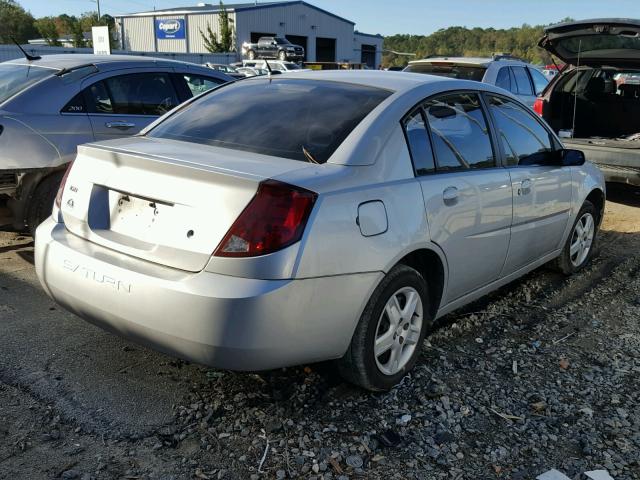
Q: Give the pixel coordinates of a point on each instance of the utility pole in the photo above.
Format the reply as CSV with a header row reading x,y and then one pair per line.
x,y
98,3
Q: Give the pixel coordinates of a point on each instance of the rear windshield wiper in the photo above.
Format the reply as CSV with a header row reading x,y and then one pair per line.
x,y
308,156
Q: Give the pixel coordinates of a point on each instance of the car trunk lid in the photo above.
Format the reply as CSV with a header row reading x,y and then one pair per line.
x,y
164,201
614,42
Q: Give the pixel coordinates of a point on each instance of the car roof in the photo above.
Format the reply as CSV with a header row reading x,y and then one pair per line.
x,y
479,61
394,81
106,62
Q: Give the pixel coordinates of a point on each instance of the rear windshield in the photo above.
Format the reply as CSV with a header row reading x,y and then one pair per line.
x,y
586,44
15,78
299,119
452,71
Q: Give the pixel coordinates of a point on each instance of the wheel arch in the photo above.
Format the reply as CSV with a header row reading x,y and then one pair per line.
x,y
432,265
29,182
597,198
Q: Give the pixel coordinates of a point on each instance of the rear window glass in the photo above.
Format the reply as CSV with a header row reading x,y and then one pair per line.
x,y
590,43
15,78
299,119
452,71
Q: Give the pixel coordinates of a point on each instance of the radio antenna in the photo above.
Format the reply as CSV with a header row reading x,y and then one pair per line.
x,y
30,58
575,92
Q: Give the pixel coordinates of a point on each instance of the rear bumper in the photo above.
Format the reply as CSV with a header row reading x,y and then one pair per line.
x,y
217,320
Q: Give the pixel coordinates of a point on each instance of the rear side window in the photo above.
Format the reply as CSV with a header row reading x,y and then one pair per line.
x,y
302,119
522,80
459,131
134,94
15,78
539,80
199,84
503,80
446,70
523,139
419,143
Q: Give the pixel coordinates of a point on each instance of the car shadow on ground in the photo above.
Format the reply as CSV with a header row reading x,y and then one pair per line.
x,y
624,194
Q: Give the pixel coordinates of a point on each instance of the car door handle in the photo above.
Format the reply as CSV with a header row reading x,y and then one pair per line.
x,y
120,125
525,187
450,196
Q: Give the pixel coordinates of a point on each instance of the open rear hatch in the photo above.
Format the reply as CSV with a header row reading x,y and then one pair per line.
x,y
609,41
164,201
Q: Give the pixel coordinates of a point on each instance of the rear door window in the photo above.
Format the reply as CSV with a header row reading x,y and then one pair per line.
x,y
99,100
522,81
134,94
523,139
459,130
539,80
419,143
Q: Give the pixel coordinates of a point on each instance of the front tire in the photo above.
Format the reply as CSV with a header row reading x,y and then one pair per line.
x,y
388,339
251,55
578,249
282,56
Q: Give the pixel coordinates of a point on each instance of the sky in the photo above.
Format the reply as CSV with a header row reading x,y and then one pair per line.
x,y
387,17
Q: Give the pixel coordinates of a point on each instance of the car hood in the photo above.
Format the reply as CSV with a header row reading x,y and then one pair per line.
x,y
610,41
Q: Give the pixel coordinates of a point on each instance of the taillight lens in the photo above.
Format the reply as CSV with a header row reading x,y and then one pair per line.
x,y
62,184
538,106
274,219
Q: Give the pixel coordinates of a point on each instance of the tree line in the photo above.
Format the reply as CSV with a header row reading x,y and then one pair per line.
x,y
521,42
18,24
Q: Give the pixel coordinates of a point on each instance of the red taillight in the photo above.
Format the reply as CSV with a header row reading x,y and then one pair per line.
x,y
538,106
62,184
274,219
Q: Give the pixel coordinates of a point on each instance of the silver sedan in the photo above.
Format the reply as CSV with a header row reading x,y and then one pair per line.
x,y
316,216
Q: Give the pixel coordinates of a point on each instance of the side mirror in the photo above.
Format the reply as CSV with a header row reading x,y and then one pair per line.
x,y
572,158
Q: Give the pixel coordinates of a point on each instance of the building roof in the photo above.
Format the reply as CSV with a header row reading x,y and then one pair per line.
x,y
232,7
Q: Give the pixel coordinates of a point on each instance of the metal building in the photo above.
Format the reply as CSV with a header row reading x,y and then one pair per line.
x,y
325,37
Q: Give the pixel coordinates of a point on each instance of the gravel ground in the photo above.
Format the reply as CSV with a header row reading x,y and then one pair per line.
x,y
541,374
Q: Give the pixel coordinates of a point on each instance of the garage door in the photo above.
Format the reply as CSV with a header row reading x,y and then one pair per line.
x,y
325,49
368,55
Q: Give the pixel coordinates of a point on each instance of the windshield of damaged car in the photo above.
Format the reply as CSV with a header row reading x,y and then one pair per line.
x,y
15,78
282,41
278,117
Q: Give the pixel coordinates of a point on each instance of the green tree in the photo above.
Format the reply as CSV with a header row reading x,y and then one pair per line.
x,y
16,23
210,38
225,28
49,30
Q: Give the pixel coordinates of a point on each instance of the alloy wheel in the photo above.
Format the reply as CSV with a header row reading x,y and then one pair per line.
x,y
398,330
582,239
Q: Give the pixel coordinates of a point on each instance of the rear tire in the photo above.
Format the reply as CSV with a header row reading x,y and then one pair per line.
x,y
41,202
579,247
251,55
388,339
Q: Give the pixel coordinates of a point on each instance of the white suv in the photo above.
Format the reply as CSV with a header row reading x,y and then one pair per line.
x,y
520,78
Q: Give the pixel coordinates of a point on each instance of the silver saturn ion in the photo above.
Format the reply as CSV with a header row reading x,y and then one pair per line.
x,y
307,217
